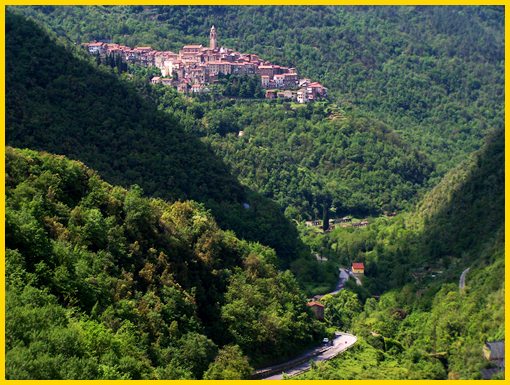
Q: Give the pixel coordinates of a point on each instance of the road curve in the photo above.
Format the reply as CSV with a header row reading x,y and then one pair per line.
x,y
462,280
343,277
342,342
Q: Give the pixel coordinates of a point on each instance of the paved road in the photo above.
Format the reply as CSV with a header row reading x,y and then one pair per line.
x,y
342,278
462,280
358,281
342,342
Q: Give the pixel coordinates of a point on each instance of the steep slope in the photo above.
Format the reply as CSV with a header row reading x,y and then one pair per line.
x,y
307,161
102,283
465,213
65,105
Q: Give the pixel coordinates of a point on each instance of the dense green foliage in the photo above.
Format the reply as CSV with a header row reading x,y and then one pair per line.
x,y
307,158
450,229
103,283
465,210
244,86
230,364
58,103
429,328
433,74
307,162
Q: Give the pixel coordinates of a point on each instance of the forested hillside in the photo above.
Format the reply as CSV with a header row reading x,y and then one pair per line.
x,y
306,158
464,213
455,225
434,74
65,105
429,327
103,283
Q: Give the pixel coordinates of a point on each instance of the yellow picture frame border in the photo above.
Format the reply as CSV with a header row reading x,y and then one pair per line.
x,y
5,4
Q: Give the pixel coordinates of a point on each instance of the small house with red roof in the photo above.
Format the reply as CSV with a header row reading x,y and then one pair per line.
x,y
317,309
358,268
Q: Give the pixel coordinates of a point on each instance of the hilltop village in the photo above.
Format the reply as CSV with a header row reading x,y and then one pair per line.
x,y
196,66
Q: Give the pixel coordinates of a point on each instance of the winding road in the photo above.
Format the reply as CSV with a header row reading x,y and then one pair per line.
x,y
358,281
342,342
342,278
300,364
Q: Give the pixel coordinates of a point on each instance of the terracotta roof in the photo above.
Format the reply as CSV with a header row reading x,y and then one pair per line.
x,y
314,303
192,46
358,265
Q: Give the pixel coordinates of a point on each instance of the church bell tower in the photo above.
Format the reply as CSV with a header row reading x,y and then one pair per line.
x,y
213,43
